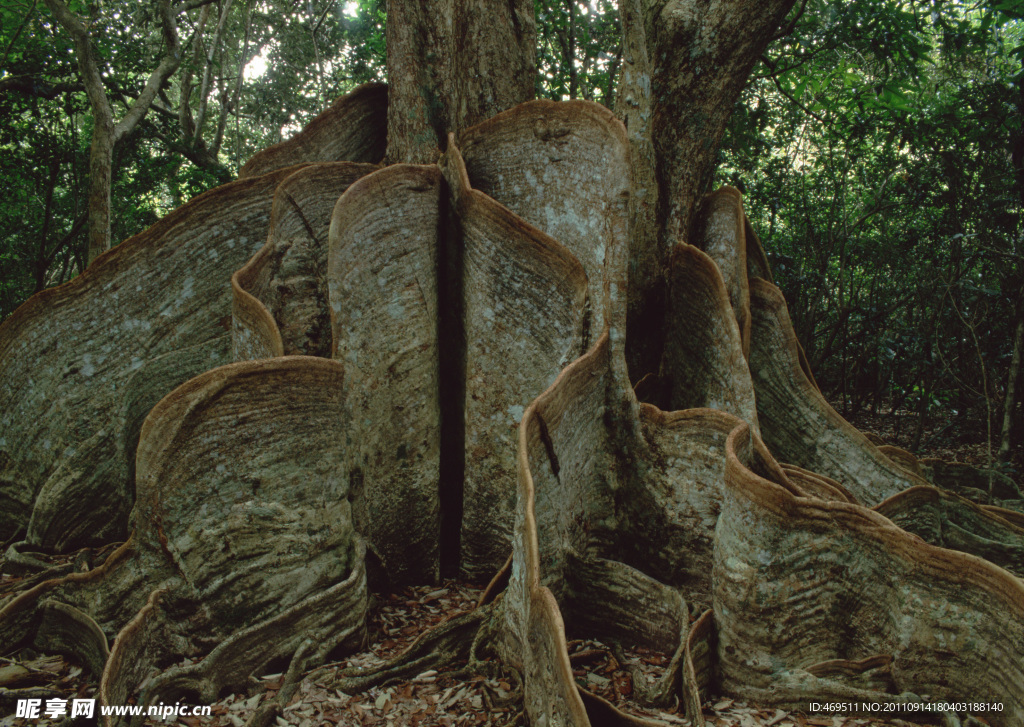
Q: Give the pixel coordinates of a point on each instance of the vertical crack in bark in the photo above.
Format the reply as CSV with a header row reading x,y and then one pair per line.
x,y
302,216
451,354
549,446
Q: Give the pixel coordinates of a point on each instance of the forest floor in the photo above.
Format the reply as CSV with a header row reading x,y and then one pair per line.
x,y
441,698
946,435
447,698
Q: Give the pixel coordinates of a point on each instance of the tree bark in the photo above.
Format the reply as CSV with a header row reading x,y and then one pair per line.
x,y
101,161
185,120
452,64
205,88
685,63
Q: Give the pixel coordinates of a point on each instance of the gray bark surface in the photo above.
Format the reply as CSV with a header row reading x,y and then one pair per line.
x,y
453,64
673,53
68,427
468,395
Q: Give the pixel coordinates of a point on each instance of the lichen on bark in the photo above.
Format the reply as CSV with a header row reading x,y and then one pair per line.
x,y
466,393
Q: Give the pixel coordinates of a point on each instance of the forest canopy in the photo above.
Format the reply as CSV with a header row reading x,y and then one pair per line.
x,y
878,144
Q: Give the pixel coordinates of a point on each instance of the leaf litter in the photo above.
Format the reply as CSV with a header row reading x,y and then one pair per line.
x,y
433,698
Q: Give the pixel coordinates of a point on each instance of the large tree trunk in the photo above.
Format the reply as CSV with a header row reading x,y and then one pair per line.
x,y
453,64
430,368
685,63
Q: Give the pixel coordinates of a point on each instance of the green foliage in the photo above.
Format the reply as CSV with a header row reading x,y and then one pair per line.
x,y
41,153
313,52
578,50
875,148
297,58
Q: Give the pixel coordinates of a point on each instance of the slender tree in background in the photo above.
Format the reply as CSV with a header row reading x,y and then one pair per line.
x,y
107,131
206,119
1012,416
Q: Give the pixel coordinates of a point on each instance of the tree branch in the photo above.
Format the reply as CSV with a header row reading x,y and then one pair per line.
x,y
191,5
17,33
168,64
41,89
197,155
323,16
75,229
87,66
771,66
185,120
791,25
204,92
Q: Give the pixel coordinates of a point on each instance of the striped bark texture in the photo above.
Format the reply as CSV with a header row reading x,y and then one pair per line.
x,y
332,373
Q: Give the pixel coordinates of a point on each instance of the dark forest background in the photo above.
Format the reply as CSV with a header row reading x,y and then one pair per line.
x,y
879,146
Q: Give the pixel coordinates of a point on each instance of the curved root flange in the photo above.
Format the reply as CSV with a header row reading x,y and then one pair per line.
x,y
721,233
575,505
351,129
704,362
801,583
241,486
564,169
799,426
834,598
69,427
279,298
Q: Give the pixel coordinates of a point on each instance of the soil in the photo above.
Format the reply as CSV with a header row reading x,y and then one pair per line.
x,y
947,435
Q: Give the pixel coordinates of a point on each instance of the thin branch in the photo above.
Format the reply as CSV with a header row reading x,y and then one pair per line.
x,y
800,61
1001,253
984,387
938,348
871,213
771,66
185,120
204,90
17,33
191,5
316,51
791,25
323,16
40,89
75,229
241,75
